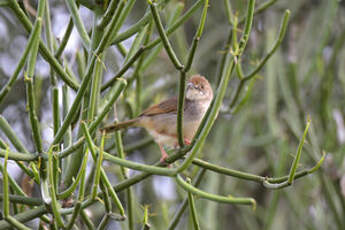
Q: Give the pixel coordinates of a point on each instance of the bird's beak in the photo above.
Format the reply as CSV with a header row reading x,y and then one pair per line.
x,y
190,85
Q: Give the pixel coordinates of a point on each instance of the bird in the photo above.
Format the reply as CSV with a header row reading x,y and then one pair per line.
x,y
160,120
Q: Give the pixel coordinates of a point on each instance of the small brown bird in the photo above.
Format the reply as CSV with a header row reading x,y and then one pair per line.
x,y
161,120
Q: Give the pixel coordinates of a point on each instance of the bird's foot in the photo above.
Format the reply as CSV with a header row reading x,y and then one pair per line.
x,y
187,141
164,155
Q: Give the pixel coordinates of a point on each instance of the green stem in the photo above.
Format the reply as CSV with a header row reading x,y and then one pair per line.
x,y
15,187
137,26
197,36
54,204
164,36
32,113
25,216
47,55
129,194
77,101
298,154
34,35
87,220
64,39
23,200
103,175
177,217
228,11
281,34
192,209
221,199
76,211
108,14
266,181
180,107
15,223
10,134
19,156
178,23
6,200
68,192
138,166
73,9
113,95
98,169
123,69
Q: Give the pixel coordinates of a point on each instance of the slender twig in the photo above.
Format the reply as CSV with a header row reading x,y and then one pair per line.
x,y
108,14
43,49
68,192
137,26
156,50
146,225
281,35
112,97
76,211
140,167
275,46
74,107
180,107
228,11
221,199
124,11
192,208
129,193
19,156
14,186
266,181
78,207
29,81
6,200
177,217
15,223
164,37
197,36
64,39
298,154
97,175
103,175
53,199
124,68
87,220
103,222
178,23
34,35
18,199
25,216
73,9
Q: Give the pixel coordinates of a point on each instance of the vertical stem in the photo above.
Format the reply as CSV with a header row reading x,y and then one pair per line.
x,y
180,108
54,204
192,210
6,200
98,169
129,193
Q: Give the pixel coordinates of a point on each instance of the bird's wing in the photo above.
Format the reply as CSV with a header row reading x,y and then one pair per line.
x,y
167,106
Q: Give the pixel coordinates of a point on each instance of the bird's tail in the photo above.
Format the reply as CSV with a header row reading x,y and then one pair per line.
x,y
118,126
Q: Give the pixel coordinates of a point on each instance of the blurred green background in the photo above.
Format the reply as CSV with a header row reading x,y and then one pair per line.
x,y
304,78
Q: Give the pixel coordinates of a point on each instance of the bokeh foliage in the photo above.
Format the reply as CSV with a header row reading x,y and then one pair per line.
x,y
279,94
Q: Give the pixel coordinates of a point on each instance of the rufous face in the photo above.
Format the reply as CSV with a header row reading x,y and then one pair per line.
x,y
198,88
